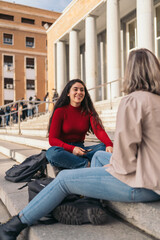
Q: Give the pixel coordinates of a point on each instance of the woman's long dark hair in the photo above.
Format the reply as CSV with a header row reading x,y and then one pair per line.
x,y
87,104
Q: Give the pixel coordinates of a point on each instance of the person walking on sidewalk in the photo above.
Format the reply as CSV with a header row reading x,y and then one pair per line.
x,y
73,116
131,174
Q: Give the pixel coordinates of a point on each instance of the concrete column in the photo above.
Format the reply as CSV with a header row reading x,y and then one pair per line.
x,y
81,64
74,55
55,65
61,66
145,28
113,48
102,67
91,54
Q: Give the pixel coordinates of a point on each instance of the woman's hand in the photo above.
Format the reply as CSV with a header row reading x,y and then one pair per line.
x,y
107,165
78,151
109,149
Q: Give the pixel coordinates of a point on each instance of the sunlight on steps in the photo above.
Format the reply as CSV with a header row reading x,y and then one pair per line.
x,y
38,125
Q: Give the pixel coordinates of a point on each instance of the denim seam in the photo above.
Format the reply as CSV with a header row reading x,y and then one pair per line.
x,y
133,194
56,164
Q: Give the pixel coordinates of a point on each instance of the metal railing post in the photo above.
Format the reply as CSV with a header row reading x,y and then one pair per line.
x,y
19,120
110,95
109,86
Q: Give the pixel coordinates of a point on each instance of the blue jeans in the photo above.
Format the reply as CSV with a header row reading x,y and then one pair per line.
x,y
59,157
93,182
29,112
7,119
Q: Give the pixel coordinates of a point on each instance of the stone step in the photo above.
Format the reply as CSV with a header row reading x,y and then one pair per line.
x,y
15,200
92,138
145,216
106,104
17,152
142,215
32,132
109,111
42,132
37,131
28,125
38,126
20,152
32,141
42,142
5,215
35,120
109,126
108,118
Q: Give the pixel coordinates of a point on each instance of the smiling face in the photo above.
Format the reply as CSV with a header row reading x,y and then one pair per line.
x,y
76,94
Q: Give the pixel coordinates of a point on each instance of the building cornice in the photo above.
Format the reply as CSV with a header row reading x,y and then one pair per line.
x,y
89,13
14,51
63,13
22,28
38,14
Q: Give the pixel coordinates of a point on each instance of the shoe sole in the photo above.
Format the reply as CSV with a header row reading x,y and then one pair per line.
x,y
72,215
97,216
68,215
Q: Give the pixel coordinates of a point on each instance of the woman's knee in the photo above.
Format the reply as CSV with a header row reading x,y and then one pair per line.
x,y
100,158
52,154
98,155
95,159
63,174
101,147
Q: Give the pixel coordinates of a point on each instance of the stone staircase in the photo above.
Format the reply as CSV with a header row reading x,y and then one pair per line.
x,y
125,221
144,218
38,125
108,118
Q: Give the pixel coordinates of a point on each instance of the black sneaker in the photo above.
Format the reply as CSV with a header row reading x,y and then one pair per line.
x,y
85,210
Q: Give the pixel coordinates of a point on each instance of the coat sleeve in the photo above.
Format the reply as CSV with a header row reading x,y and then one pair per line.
x,y
128,136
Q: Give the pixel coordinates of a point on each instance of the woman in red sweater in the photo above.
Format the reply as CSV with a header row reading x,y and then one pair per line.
x,y
73,116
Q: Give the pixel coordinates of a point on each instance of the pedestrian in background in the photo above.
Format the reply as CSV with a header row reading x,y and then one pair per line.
x,y
8,110
30,107
46,99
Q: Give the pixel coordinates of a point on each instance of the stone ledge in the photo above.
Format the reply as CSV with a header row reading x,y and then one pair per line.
x,y
33,142
15,200
145,216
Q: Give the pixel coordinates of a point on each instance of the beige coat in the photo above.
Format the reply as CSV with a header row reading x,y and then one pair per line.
x,y
136,154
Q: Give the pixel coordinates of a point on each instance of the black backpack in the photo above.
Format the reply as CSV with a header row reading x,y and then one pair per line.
x,y
32,167
35,186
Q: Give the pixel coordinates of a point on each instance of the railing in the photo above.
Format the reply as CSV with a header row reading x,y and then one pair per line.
x,y
108,86
15,115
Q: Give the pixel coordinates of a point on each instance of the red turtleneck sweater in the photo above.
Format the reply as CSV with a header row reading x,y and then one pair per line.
x,y
70,125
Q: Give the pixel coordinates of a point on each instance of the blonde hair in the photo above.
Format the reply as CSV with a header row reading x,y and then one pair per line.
x,y
142,72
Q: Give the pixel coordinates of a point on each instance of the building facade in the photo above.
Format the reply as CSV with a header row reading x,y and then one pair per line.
x,y
91,40
23,51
